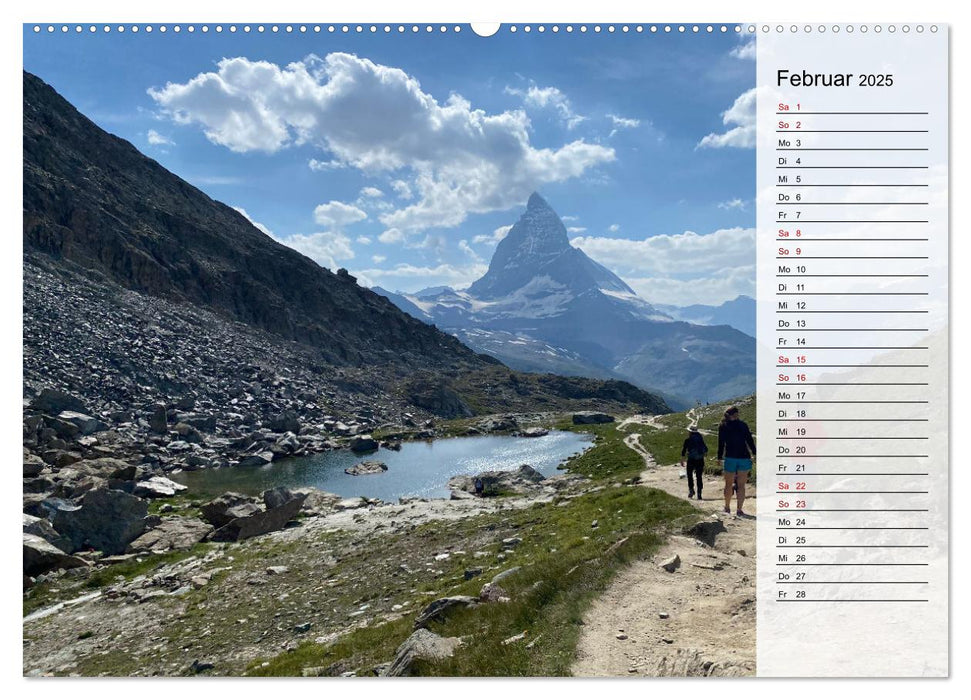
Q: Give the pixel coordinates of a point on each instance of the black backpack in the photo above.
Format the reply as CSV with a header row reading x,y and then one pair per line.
x,y
696,447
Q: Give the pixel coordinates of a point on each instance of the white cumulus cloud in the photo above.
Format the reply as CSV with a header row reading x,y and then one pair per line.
x,y
402,189
494,237
683,268
549,98
156,139
742,115
337,215
456,159
327,248
714,289
745,50
392,235
729,247
410,278
371,192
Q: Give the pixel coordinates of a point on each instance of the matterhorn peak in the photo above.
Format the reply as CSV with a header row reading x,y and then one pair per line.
x,y
536,202
537,251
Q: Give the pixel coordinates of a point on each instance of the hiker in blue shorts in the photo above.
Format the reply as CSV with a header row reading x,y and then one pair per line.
x,y
734,442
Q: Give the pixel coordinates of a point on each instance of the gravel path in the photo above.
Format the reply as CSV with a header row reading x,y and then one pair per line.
x,y
698,620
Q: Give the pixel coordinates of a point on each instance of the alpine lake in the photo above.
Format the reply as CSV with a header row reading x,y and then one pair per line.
x,y
418,469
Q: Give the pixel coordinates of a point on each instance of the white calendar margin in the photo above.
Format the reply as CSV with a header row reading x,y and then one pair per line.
x,y
444,10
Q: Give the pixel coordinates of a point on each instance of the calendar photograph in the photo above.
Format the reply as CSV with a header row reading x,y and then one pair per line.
x,y
384,350
388,353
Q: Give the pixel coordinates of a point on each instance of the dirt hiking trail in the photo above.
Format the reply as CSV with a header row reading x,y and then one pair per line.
x,y
698,620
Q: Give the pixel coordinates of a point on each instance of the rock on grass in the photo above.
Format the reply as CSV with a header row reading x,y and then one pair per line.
x,y
422,645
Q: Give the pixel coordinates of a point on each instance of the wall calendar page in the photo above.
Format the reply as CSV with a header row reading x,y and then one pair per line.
x,y
547,349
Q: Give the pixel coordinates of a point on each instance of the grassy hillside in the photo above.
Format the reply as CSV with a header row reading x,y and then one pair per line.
x,y
566,562
570,551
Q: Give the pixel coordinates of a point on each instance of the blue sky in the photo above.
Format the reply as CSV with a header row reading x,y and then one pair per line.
x,y
405,157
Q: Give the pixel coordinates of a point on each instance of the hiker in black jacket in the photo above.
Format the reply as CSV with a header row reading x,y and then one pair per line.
x,y
734,444
695,449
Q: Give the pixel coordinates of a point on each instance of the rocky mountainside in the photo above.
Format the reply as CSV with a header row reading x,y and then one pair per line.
x,y
183,337
545,304
93,200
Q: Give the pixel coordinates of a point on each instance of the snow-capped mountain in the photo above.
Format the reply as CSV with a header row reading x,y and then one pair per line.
x,y
544,305
536,254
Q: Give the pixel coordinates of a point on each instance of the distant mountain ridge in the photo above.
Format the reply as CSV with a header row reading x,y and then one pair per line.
x,y
738,313
543,303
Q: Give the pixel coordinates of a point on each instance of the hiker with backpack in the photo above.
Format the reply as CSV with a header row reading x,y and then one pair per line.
x,y
736,452
695,449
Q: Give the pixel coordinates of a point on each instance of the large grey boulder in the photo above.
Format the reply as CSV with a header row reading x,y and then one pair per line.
x,y
318,501
189,433
171,533
227,507
284,422
38,484
33,465
260,459
41,527
528,473
422,645
369,467
53,401
536,431
494,483
64,429
40,556
105,467
279,496
352,503
106,520
158,487
86,424
591,418
363,443
282,506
